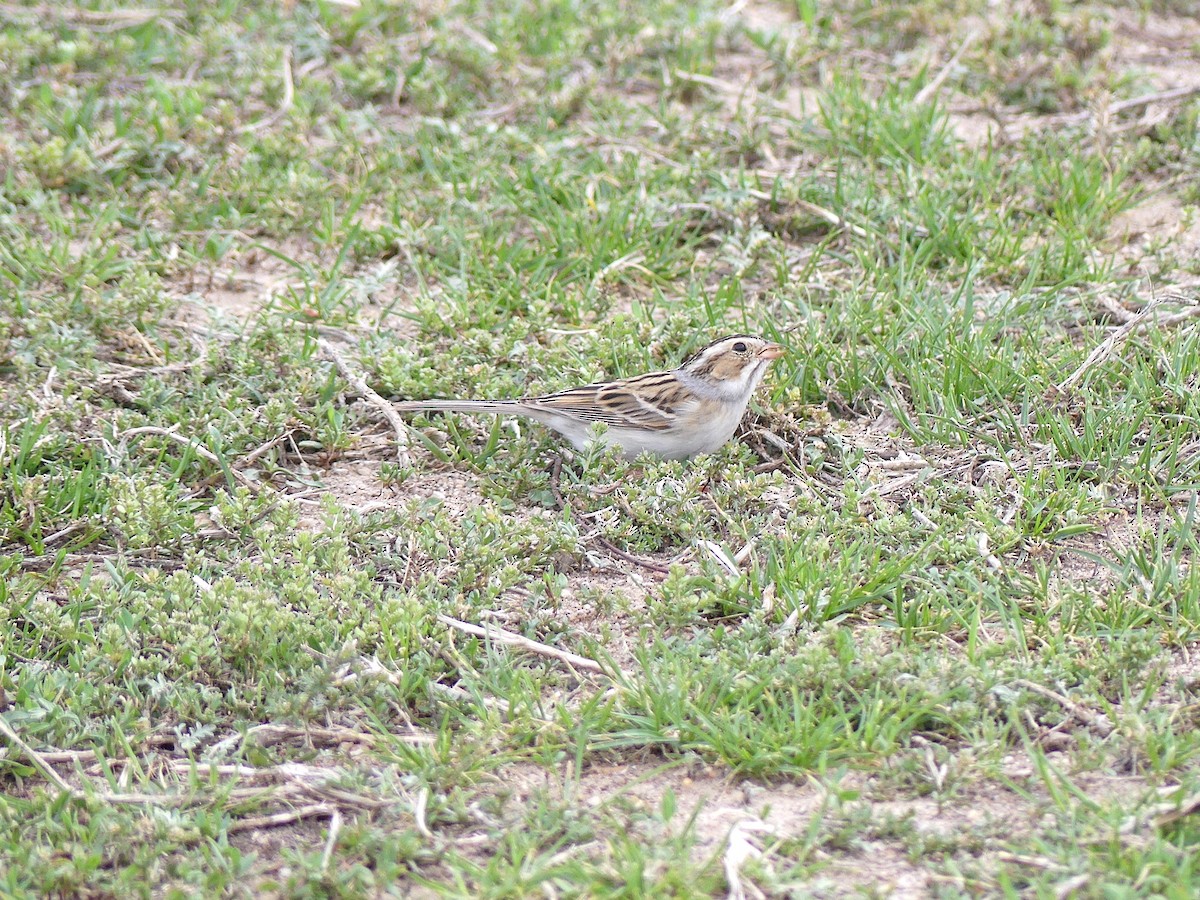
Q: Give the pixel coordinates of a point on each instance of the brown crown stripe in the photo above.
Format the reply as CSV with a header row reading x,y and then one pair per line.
x,y
728,338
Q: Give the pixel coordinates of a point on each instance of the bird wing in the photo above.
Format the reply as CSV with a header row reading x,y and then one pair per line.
x,y
646,401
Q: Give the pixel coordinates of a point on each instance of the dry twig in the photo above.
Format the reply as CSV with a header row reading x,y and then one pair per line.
x,y
812,209
512,639
629,557
335,825
420,811
365,390
1098,722
1161,815
1118,336
289,95
57,780
268,734
981,544
1181,93
1168,813
270,445
563,504
311,811
739,848
36,758
173,434
95,19
930,89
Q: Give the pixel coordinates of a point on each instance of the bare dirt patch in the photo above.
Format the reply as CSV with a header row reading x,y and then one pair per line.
x,y
359,485
254,282
1161,46
244,288
1154,236
1181,681
879,855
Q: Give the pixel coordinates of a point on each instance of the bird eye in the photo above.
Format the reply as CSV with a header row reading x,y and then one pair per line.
x,y
739,347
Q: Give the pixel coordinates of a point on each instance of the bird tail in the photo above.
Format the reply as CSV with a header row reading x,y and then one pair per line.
x,y
499,407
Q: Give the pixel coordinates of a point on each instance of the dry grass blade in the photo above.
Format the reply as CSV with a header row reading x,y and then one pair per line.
x,y
738,850
172,434
360,385
255,823
289,95
1098,722
1106,348
927,92
57,780
515,640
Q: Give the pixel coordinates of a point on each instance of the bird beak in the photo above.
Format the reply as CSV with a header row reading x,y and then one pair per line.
x,y
771,351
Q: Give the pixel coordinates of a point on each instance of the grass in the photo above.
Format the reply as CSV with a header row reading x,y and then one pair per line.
x,y
930,618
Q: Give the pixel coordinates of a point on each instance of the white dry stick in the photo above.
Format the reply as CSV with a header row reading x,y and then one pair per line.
x,y
1173,320
172,434
335,825
738,850
64,533
102,21
981,542
788,628
1160,815
268,734
628,261
38,763
255,823
812,209
720,556
744,554
1180,93
359,385
289,95
930,89
54,778
1072,886
922,518
887,488
829,216
421,811
512,639
1098,722
1108,346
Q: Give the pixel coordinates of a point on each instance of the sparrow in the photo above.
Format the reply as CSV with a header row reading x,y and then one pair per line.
x,y
676,414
